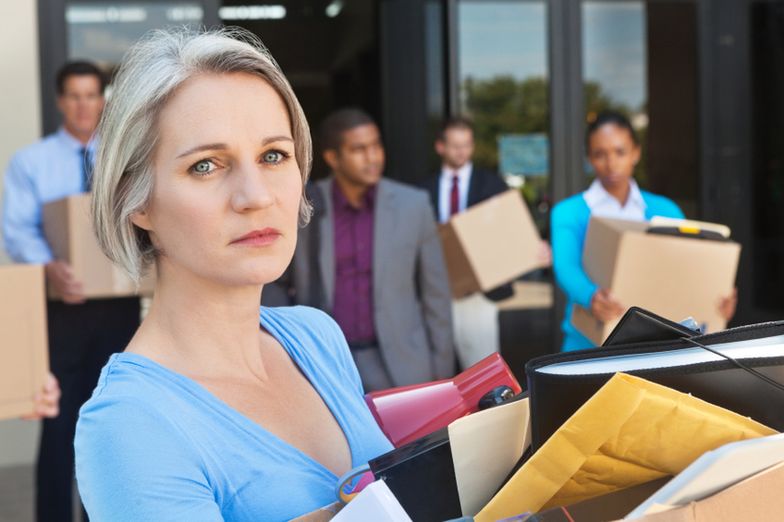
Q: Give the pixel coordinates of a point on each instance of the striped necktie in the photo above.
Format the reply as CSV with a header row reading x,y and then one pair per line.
x,y
87,168
454,195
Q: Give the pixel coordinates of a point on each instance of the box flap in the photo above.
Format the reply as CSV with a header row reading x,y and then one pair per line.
x,y
499,238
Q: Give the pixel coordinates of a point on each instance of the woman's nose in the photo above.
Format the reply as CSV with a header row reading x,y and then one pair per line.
x,y
251,189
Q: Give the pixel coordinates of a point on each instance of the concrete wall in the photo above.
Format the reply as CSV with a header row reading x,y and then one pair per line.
x,y
20,124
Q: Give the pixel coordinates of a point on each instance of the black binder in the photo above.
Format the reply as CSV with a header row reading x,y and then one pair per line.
x,y
640,325
559,384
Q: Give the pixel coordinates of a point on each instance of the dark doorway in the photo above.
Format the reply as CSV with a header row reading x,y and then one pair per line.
x,y
327,49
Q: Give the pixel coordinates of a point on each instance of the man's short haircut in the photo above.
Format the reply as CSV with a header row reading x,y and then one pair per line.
x,y
151,72
338,123
78,68
456,122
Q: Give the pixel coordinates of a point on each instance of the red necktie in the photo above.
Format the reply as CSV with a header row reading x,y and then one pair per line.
x,y
454,196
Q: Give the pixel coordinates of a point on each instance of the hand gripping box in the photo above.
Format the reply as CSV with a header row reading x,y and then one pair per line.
x,y
24,359
490,244
69,232
675,277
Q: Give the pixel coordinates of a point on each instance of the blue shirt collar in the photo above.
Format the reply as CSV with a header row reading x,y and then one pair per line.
x,y
68,139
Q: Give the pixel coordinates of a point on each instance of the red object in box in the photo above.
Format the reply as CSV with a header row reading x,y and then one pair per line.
x,y
410,412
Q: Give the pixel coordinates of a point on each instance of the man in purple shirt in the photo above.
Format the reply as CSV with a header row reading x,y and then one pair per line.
x,y
371,258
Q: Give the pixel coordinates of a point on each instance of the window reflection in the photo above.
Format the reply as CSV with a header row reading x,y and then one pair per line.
x,y
103,31
503,88
614,64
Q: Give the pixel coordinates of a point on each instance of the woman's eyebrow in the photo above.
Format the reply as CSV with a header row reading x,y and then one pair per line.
x,y
273,139
223,146
200,148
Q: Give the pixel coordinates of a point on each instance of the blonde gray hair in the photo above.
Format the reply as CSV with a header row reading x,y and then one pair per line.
x,y
150,73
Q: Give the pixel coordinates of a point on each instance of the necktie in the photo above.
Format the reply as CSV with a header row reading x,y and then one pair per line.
x,y
454,196
87,168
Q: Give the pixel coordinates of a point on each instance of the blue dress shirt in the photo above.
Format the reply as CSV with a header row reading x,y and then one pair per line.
x,y
568,226
152,444
45,171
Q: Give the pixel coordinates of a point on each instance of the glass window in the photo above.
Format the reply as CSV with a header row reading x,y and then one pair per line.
x,y
103,31
614,64
640,58
503,87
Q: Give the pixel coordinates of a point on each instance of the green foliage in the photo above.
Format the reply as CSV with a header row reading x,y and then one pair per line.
x,y
504,105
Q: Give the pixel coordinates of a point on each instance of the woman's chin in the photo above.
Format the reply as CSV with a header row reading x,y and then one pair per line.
x,y
615,181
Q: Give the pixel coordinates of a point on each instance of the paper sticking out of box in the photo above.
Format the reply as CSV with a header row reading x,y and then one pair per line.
x,y
675,277
715,471
68,230
610,444
377,503
486,446
755,498
24,355
490,244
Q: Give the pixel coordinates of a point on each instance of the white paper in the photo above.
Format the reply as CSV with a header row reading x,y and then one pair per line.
x,y
377,503
485,447
742,350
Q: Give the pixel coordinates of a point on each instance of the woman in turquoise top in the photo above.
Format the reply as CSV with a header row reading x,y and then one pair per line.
x,y
613,151
216,410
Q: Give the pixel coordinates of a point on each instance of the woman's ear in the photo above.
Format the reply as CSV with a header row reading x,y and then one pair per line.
x,y
142,220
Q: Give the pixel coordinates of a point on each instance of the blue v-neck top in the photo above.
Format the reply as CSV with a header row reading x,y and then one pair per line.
x,y
152,444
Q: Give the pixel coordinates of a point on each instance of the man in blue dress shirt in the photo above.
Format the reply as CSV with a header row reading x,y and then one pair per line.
x,y
82,332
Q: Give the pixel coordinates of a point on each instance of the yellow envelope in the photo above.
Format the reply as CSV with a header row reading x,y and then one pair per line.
x,y
630,432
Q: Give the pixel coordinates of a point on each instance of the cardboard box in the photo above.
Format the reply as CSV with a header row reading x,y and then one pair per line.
x,y
756,498
528,295
69,232
675,277
490,244
24,355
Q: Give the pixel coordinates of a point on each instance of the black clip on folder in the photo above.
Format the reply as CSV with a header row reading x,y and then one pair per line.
x,y
639,325
740,369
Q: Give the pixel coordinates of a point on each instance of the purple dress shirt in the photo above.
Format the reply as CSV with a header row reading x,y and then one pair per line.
x,y
353,303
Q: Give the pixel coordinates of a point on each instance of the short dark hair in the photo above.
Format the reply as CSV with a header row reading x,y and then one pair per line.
x,y
456,122
609,118
339,122
78,68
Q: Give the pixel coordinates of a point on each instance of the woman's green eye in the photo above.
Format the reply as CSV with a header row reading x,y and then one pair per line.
x,y
272,156
202,167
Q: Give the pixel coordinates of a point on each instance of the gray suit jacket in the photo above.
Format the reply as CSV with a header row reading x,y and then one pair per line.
x,y
411,297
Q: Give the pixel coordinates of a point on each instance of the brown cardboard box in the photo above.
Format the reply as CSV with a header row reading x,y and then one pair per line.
x,y
758,498
674,277
68,229
24,360
490,244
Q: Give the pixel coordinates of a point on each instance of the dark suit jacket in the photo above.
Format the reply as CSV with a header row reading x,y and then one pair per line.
x,y
482,185
411,298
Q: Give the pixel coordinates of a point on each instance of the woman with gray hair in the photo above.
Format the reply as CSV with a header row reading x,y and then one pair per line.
x,y
216,410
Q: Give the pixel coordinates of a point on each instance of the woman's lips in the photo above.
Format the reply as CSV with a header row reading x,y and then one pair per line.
x,y
263,237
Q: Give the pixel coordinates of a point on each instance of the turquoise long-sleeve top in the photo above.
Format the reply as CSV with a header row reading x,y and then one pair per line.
x,y
152,444
568,227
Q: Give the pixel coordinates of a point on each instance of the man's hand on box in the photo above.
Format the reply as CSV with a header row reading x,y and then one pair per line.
x,y
60,274
728,304
604,307
47,401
